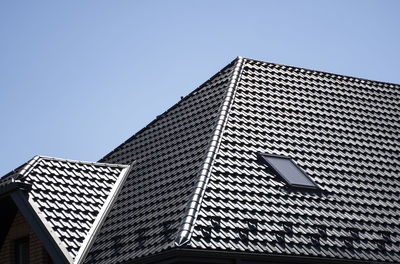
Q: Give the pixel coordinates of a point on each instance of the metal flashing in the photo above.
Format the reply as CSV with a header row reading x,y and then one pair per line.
x,y
83,162
28,167
194,204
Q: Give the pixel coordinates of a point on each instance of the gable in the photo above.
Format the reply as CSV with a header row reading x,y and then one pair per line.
x,y
64,201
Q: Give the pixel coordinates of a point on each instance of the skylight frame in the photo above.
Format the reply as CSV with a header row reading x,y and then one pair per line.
x,y
276,170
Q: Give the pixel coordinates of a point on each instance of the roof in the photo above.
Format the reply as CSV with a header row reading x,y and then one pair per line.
x,y
199,184
343,131
69,197
169,154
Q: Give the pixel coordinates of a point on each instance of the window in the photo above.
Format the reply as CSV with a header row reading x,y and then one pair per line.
x,y
22,251
288,171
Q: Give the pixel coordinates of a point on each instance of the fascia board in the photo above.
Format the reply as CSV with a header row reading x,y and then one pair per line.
x,y
12,187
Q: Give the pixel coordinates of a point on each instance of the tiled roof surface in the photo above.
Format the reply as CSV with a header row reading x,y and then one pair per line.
x,y
343,131
168,154
69,194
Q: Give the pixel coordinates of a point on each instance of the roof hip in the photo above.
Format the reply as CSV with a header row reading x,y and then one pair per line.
x,y
193,206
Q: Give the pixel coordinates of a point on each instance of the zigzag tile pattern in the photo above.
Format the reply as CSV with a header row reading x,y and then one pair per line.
x,y
70,194
343,131
168,154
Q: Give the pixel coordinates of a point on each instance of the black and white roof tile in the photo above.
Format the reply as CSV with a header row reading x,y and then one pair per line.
x,y
343,131
168,153
69,194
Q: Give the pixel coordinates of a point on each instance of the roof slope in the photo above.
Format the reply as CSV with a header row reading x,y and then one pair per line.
x,y
343,131
68,195
198,183
169,153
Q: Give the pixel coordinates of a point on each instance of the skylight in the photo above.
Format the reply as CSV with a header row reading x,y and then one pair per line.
x,y
289,171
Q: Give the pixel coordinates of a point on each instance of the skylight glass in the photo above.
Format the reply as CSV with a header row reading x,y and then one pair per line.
x,y
289,171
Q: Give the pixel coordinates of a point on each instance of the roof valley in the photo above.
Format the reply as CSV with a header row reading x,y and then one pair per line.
x,y
194,204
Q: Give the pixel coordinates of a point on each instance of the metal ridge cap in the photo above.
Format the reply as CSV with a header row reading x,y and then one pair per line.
x,y
29,166
86,162
193,206
100,218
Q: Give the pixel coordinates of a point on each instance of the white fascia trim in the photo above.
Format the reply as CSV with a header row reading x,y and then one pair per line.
x,y
87,243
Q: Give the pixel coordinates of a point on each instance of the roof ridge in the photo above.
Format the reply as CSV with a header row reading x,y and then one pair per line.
x,y
168,110
28,167
193,206
85,162
323,72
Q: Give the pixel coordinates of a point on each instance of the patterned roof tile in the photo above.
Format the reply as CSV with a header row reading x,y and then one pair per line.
x,y
68,194
199,183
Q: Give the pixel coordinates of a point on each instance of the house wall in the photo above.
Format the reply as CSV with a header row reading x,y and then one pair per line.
x,y
20,229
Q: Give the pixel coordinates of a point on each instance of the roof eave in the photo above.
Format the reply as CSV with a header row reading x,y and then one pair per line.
x,y
11,187
187,255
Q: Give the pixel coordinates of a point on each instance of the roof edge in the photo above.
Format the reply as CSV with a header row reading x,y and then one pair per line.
x,y
94,163
168,110
29,166
185,255
193,206
50,230
103,213
324,72
43,231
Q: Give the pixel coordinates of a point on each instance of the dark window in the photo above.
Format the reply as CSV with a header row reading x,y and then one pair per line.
x,y
288,171
22,251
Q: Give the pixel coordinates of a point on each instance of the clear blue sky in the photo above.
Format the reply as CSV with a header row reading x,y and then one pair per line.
x,y
77,78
